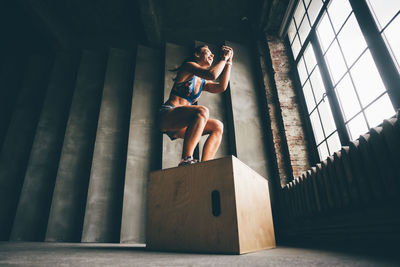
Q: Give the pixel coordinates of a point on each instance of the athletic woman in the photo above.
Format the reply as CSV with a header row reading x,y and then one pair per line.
x,y
180,118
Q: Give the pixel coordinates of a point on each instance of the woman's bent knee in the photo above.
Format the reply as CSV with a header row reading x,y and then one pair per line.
x,y
214,127
219,126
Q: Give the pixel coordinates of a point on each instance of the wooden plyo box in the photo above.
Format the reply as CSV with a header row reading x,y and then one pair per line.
x,y
217,206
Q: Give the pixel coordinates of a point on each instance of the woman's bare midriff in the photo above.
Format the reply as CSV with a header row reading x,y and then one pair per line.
x,y
177,101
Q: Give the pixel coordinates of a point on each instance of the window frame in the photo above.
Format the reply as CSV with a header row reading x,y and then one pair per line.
x,y
375,44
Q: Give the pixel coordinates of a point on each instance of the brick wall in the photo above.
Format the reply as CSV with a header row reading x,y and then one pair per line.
x,y
289,133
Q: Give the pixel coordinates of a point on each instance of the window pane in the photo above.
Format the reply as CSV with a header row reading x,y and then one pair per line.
x,y
367,80
291,31
347,98
384,10
304,30
357,84
338,11
334,143
317,84
357,126
309,57
314,9
299,13
296,46
308,96
323,151
301,68
335,62
316,125
393,39
326,117
351,40
380,110
325,32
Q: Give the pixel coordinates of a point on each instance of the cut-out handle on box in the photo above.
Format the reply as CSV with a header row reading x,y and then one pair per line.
x,y
216,203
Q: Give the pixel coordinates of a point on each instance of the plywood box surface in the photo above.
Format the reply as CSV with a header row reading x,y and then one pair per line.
x,y
218,206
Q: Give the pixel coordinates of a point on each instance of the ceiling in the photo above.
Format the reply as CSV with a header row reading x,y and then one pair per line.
x,y
207,20
149,22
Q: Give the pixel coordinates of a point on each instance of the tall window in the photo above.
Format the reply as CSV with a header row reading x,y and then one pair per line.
x,y
347,54
387,18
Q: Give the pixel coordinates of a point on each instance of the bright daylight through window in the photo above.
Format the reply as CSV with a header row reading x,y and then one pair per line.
x,y
347,54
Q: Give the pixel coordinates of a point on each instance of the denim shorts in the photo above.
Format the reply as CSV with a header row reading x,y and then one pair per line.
x,y
161,111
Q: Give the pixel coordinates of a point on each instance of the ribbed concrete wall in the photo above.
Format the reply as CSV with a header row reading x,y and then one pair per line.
x,y
98,140
248,126
36,195
70,191
12,67
18,140
144,143
104,201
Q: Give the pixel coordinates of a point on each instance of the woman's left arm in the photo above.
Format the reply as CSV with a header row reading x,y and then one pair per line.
x,y
219,87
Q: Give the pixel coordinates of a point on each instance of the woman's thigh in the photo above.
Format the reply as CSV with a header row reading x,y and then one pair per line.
x,y
178,118
211,125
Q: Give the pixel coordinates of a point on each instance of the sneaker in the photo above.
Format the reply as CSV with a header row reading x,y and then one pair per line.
x,y
187,161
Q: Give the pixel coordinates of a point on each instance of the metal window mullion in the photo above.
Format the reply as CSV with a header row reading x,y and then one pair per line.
x,y
312,92
383,60
315,99
336,33
320,122
362,110
335,108
350,75
326,140
313,27
390,21
348,72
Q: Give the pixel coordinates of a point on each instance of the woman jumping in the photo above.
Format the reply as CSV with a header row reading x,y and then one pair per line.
x,y
179,118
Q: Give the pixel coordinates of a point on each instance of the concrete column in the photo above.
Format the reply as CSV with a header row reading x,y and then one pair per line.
x,y
174,56
104,201
144,146
34,204
18,140
247,116
70,191
12,68
216,103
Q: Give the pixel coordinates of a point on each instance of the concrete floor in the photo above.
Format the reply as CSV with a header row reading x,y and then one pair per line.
x,y
89,254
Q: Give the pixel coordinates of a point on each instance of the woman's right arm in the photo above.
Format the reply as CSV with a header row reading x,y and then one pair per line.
x,y
203,72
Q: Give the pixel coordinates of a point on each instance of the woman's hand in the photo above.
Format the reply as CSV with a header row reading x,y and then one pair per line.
x,y
231,55
226,52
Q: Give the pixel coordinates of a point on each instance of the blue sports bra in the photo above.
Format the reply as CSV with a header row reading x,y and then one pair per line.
x,y
186,90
